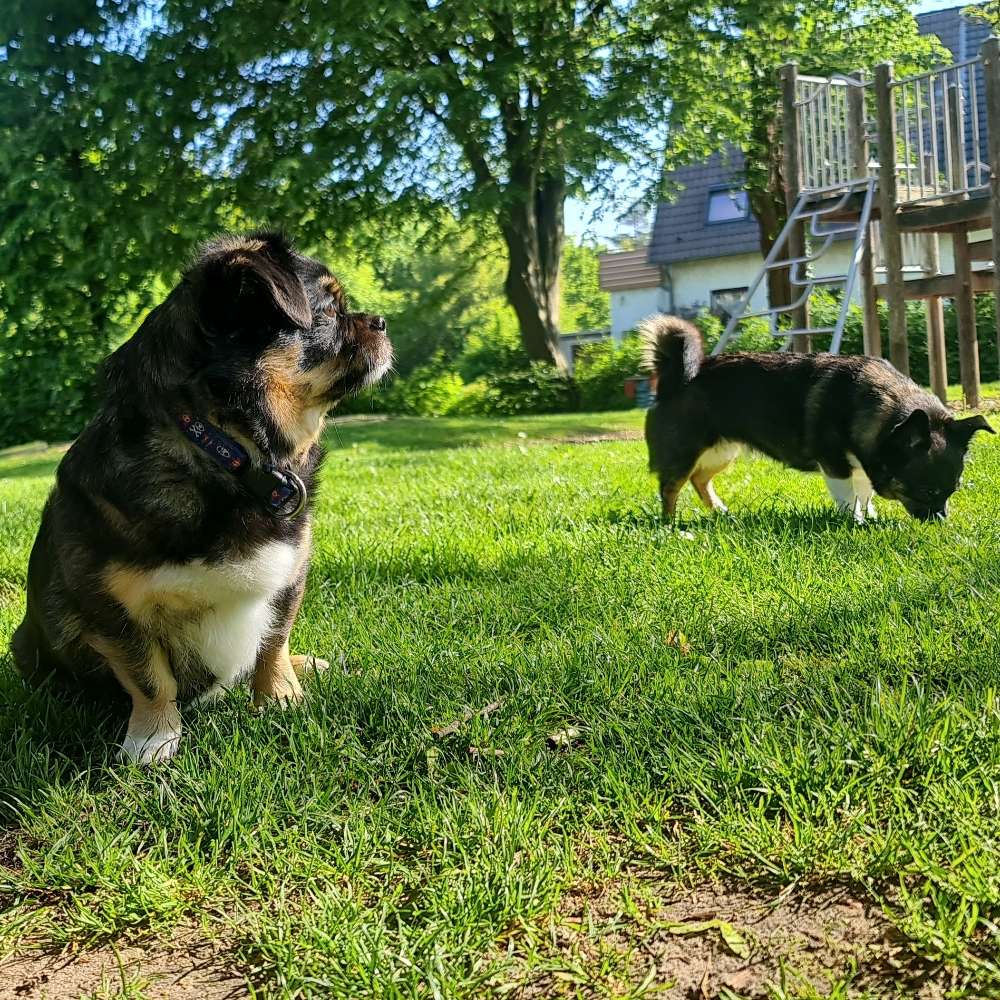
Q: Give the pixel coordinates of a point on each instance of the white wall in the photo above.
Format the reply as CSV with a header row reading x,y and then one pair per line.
x,y
694,281
630,307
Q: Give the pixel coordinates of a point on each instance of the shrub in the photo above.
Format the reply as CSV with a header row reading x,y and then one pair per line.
x,y
539,389
752,335
495,353
601,370
428,391
475,399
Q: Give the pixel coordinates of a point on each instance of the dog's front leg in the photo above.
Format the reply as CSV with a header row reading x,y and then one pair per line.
x,y
844,496
154,727
278,675
274,677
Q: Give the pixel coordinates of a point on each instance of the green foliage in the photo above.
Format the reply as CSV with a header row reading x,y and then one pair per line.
x,y
446,282
584,305
753,334
988,12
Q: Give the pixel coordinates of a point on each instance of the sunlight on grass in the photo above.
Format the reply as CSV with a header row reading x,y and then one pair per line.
x,y
832,713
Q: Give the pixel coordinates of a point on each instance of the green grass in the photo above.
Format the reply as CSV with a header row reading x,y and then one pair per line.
x,y
837,716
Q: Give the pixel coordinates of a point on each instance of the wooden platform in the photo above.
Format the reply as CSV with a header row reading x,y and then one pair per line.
x,y
947,217
940,286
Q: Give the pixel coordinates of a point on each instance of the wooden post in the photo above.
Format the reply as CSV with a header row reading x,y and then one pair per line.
x,y
965,299
937,351
956,136
858,139
792,175
991,71
899,352
965,307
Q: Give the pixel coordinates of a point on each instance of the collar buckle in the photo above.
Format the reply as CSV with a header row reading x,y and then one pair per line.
x,y
273,487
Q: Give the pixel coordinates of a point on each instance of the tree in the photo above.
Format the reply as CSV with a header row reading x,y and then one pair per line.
x,y
585,305
85,225
988,12
727,90
317,112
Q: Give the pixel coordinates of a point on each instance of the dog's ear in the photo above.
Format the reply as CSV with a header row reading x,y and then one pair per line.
x,y
961,431
913,433
249,282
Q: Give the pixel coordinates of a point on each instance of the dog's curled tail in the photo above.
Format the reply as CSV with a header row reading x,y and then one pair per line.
x,y
673,349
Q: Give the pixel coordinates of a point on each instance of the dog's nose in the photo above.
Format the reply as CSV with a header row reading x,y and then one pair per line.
x,y
378,323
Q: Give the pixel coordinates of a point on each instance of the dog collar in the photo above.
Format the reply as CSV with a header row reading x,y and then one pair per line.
x,y
281,492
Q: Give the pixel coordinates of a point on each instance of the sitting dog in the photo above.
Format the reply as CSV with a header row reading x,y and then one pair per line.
x,y
857,420
173,550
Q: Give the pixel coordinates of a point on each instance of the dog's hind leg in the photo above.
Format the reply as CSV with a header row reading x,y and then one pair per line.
x,y
710,463
669,491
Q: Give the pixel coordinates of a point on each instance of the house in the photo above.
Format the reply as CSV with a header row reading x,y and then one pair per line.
x,y
704,248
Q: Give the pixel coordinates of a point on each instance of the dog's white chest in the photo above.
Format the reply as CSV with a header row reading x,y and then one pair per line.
x,y
220,612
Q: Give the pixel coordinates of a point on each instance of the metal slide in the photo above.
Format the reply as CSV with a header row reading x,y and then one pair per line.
x,y
812,208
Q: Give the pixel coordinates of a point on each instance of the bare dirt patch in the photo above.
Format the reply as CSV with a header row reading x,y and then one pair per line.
x,y
188,965
717,941
599,438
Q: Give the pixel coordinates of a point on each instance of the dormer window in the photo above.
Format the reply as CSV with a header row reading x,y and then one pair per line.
x,y
728,205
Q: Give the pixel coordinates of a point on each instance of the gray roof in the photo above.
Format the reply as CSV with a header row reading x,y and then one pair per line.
x,y
681,231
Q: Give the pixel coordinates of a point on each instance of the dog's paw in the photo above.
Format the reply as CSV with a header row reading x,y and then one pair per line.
x,y
283,691
307,663
154,749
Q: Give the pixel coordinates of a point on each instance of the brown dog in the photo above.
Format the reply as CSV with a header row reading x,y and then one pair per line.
x,y
173,550
861,423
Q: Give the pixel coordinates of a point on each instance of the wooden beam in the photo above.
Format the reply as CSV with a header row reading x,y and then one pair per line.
x,y
885,101
974,213
981,250
792,174
940,284
858,140
991,72
965,307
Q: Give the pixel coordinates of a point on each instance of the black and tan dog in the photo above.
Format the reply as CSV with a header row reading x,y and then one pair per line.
x,y
857,420
172,553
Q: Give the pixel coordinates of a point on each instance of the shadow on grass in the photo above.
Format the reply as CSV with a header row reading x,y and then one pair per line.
x,y
29,468
432,434
770,520
55,729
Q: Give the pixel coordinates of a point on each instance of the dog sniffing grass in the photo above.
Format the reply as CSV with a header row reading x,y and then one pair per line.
x,y
867,428
834,717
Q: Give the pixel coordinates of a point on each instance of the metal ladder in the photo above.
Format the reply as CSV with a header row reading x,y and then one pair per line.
x,y
812,207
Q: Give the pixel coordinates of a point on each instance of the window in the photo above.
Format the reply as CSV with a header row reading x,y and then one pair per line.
x,y
725,301
727,205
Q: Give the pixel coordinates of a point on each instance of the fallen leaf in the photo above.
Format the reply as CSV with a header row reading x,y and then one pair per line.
x,y
478,752
562,738
470,713
735,941
678,640
738,980
732,938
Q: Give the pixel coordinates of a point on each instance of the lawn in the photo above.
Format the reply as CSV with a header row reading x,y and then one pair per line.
x,y
562,749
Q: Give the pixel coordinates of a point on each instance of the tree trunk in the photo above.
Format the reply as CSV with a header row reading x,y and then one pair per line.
x,y
533,231
767,202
